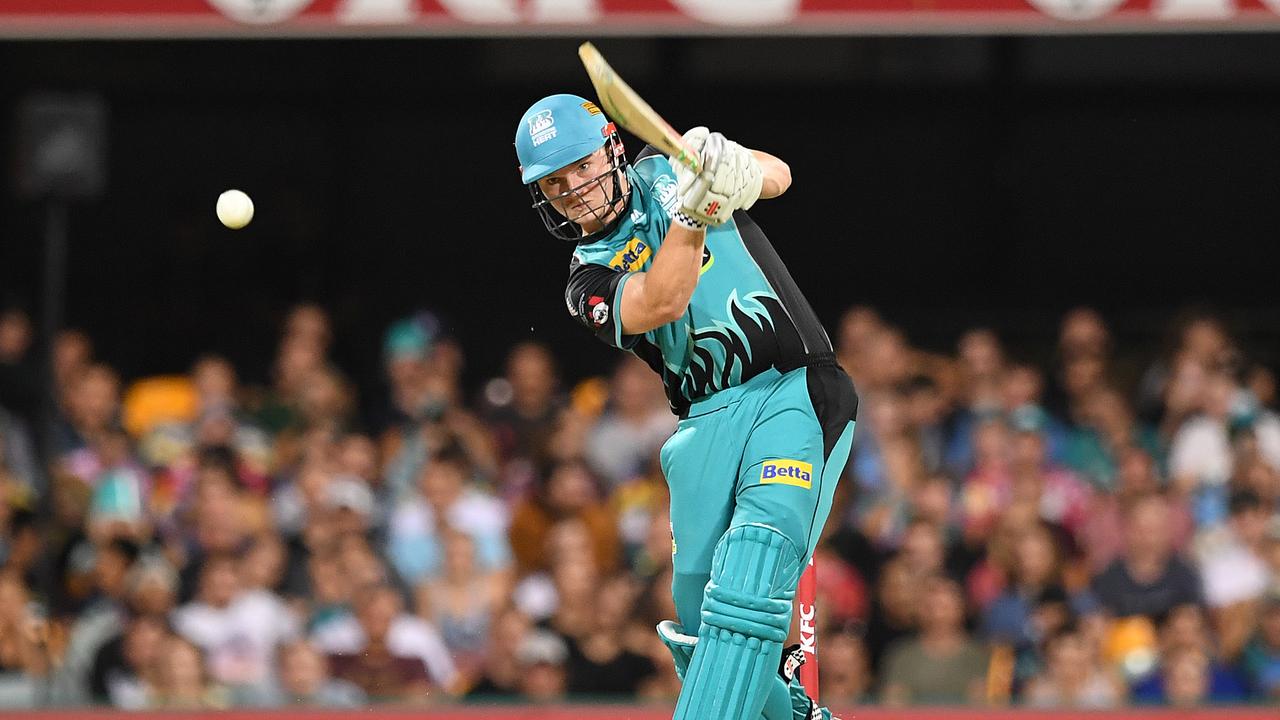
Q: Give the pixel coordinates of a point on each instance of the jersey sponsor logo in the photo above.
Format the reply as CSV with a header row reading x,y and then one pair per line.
x,y
633,256
599,310
787,472
591,108
665,190
542,127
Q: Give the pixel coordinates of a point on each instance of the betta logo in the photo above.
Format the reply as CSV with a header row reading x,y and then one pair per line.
x,y
787,472
632,257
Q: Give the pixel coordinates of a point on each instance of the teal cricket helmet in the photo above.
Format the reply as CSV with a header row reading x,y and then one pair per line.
x,y
556,131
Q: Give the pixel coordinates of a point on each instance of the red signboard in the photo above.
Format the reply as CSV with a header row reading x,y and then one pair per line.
x,y
212,18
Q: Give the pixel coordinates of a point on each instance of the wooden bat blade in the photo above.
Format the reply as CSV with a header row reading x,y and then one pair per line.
x,y
629,110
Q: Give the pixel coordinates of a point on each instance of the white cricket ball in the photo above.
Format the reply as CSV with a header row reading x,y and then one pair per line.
x,y
235,209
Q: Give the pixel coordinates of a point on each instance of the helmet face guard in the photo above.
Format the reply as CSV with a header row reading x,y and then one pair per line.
x,y
607,214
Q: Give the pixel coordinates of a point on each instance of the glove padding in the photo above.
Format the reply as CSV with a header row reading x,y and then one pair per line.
x,y
738,176
699,201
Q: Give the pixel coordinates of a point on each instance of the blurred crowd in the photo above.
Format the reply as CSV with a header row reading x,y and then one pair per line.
x,y
1093,529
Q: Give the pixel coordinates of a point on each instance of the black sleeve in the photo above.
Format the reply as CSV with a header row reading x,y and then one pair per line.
x,y
648,151
592,298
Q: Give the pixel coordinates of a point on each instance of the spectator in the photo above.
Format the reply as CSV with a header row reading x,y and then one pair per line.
x,y
1234,571
1261,658
576,582
100,620
462,600
221,519
328,592
237,627
1201,456
181,680
981,365
844,677
523,406
152,587
988,486
636,425
600,663
1072,677
92,406
1102,537
1062,499
1084,333
542,657
858,327
1034,606
123,667
1186,680
501,672
72,355
375,667
1190,671
885,426
305,681
406,351
570,492
385,651
24,657
893,611
20,377
926,410
21,546
297,358
1106,427
1148,579
261,567
1198,340
941,665
446,496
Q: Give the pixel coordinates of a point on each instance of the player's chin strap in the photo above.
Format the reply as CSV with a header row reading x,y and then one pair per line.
x,y
562,227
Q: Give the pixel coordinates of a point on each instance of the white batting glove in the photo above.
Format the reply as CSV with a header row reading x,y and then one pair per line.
x,y
699,204
738,177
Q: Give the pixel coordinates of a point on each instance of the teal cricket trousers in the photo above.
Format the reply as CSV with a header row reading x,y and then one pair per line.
x,y
768,451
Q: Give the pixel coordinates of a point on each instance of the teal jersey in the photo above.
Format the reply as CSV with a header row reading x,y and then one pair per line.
x,y
746,314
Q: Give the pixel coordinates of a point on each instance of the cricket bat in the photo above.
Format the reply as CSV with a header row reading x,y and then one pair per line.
x,y
621,104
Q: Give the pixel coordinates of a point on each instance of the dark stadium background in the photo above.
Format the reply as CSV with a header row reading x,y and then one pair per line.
x,y
948,181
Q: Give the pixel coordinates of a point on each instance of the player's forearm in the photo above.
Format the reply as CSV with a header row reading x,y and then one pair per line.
x,y
777,175
660,294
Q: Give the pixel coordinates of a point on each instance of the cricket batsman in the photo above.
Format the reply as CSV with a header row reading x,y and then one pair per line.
x,y
668,265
